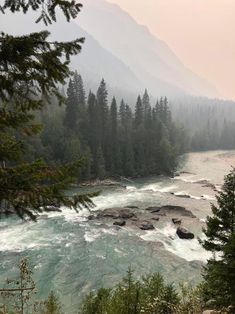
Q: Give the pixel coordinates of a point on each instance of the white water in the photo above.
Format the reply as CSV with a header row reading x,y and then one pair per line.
x,y
65,248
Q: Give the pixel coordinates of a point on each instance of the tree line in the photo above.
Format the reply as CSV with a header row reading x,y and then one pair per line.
x,y
113,139
210,124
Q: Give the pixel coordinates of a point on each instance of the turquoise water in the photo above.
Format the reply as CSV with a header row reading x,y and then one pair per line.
x,y
72,255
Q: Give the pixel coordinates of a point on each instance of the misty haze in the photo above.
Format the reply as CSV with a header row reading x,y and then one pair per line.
x,y
117,156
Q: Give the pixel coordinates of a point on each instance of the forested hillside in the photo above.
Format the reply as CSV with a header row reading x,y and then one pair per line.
x,y
120,139
112,138
210,123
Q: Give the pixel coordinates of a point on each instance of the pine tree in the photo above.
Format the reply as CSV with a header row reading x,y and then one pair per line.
x,y
80,103
122,111
52,305
113,136
79,91
103,114
219,274
139,113
100,164
34,68
71,110
147,108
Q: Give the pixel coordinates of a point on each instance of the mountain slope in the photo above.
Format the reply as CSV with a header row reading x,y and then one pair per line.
x,y
148,57
94,62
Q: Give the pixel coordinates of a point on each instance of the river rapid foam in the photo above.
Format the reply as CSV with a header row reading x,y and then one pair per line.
x,y
72,255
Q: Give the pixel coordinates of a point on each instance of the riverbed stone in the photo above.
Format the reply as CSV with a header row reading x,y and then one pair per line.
x,y
120,223
155,218
176,221
183,233
132,207
153,209
90,217
117,212
52,208
145,225
177,209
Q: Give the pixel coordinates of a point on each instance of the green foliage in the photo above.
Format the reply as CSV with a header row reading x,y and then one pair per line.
x,y
31,68
151,295
48,8
18,295
219,274
51,305
119,142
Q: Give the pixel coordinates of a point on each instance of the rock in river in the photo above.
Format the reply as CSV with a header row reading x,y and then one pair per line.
x,y
117,212
176,221
184,233
145,225
153,209
120,223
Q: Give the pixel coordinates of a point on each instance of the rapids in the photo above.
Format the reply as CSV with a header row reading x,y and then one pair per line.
x,y
72,255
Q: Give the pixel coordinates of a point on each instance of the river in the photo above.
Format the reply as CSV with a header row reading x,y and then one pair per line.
x,y
72,255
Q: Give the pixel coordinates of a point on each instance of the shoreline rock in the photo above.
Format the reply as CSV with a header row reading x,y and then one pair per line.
x,y
161,211
119,223
183,233
145,225
105,182
117,212
176,221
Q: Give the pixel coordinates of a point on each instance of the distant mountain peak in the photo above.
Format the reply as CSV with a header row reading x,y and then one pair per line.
x,y
149,57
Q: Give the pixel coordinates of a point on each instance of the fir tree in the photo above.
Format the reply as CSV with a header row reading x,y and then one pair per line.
x,y
79,91
220,232
139,113
71,111
103,112
34,68
113,136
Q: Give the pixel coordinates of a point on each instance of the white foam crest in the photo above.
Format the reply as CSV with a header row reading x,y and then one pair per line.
x,y
118,199
73,216
20,237
192,179
189,250
208,197
187,195
92,235
155,187
109,231
131,188
187,179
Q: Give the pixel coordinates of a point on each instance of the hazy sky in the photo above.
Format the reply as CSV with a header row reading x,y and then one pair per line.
x,y
200,32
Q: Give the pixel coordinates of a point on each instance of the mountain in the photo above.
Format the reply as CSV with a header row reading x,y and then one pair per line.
x,y
152,61
94,62
119,50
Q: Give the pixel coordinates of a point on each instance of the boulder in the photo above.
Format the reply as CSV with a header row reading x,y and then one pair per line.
x,y
182,195
176,221
117,212
153,209
134,218
184,233
90,217
120,223
126,214
110,212
132,207
145,225
177,209
52,208
155,218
